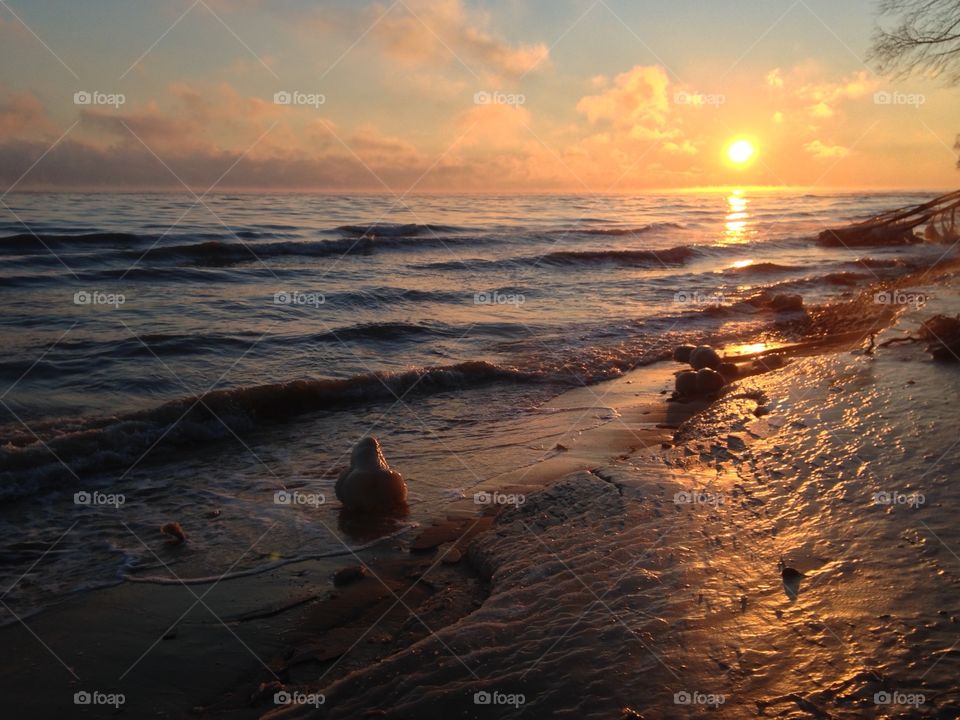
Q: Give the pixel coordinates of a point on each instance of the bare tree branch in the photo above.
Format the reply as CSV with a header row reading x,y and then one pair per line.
x,y
918,36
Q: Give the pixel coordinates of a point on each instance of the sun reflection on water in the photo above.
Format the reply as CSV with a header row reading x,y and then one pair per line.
x,y
735,225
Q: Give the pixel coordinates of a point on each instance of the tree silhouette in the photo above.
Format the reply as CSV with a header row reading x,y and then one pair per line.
x,y
924,37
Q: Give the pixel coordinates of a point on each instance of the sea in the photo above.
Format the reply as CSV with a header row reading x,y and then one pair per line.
x,y
211,360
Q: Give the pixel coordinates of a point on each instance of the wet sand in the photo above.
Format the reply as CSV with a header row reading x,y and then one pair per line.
x,y
649,586
291,626
637,579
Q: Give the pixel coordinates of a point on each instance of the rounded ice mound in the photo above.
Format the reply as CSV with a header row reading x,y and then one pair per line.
x,y
686,383
681,353
730,371
705,356
369,484
708,381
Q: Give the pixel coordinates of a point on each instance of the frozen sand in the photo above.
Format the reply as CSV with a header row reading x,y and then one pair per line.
x,y
605,592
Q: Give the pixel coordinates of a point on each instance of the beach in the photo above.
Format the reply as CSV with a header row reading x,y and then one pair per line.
x,y
580,542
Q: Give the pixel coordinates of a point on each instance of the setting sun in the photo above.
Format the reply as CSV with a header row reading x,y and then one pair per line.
x,y
740,152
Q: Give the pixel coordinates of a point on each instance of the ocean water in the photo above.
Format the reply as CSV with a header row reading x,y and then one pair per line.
x,y
192,359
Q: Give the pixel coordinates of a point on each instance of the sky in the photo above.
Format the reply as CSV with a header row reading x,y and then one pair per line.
x,y
459,96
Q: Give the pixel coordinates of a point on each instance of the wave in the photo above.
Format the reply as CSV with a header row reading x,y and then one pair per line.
x,y
373,297
220,249
387,331
68,446
162,344
177,275
32,242
396,230
19,281
847,279
577,258
187,344
882,263
396,331
618,231
220,253
672,256
763,268
212,252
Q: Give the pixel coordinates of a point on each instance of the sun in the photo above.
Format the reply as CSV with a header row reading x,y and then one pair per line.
x,y
740,151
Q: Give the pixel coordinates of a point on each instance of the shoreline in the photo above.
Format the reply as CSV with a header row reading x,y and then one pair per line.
x,y
615,479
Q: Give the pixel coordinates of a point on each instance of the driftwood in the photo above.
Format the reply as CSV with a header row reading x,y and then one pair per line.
x,y
942,335
896,227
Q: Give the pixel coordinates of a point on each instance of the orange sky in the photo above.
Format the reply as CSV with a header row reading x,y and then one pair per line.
x,y
427,95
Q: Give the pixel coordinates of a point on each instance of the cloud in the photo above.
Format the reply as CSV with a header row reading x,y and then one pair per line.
x,y
496,125
635,113
23,115
684,148
822,151
76,164
823,98
638,97
194,134
430,32
598,82
151,126
196,119
378,149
